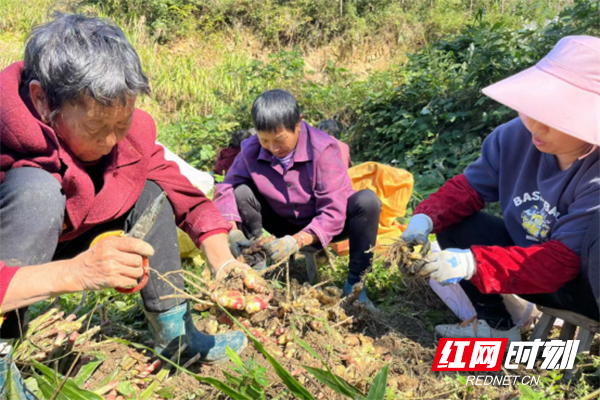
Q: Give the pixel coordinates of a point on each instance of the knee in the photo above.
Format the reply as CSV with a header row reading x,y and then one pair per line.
x,y
590,249
591,239
152,190
35,193
367,202
242,193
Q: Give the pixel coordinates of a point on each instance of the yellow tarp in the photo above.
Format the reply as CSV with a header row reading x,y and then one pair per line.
x,y
394,187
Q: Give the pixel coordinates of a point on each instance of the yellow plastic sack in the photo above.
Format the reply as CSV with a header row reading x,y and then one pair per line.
x,y
187,248
394,187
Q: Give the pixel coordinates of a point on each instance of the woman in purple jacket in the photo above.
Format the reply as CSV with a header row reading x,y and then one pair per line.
x,y
291,180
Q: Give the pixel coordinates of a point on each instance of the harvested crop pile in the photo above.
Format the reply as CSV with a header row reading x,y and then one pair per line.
x,y
355,342
51,335
403,255
299,325
319,314
240,289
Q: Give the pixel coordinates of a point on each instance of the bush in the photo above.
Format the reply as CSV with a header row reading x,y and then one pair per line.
x,y
165,18
434,122
198,138
316,23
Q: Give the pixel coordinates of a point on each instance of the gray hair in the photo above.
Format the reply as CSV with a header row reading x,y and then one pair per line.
x,y
74,56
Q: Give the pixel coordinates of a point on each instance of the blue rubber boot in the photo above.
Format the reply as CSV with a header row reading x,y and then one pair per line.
x,y
175,327
362,297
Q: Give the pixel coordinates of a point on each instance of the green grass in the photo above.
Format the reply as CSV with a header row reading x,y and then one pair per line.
x,y
208,60
205,69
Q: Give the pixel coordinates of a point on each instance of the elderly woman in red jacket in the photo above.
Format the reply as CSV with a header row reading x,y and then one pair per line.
x,y
78,159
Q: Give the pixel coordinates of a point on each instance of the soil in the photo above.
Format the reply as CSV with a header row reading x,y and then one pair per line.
x,y
353,341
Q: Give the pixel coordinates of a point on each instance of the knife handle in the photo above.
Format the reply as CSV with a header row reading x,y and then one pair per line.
x,y
142,283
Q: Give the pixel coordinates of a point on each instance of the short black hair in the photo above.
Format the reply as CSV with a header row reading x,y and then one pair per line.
x,y
275,109
331,127
238,137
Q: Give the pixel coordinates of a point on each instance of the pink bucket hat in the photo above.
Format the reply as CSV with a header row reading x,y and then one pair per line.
x,y
561,91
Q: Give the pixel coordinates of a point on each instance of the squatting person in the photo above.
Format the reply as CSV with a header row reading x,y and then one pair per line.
x,y
292,180
78,159
544,169
229,153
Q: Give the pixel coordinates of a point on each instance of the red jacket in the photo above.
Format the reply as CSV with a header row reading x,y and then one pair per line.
x,y
27,142
225,160
540,268
6,274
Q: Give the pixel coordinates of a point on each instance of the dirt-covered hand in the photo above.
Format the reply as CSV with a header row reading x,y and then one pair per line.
x,y
418,229
449,266
112,262
281,248
235,279
236,270
237,242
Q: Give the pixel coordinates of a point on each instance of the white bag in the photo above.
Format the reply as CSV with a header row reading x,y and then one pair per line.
x,y
200,179
522,312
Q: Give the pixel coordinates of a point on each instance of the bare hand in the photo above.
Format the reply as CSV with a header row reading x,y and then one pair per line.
x,y
228,291
112,262
236,269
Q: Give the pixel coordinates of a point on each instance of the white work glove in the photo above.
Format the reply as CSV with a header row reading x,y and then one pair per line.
x,y
281,248
418,229
237,242
449,266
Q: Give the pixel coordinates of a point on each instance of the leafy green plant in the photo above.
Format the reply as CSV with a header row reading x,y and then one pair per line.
x,y
251,379
317,23
325,376
88,369
527,393
49,383
219,178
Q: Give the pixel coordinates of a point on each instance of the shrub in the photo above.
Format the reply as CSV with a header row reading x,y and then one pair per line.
x,y
434,122
317,23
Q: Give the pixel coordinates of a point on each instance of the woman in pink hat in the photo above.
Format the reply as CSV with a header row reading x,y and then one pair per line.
x,y
543,167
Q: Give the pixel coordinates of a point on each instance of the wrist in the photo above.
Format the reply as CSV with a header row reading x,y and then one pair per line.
x,y
299,239
216,249
219,263
472,265
67,279
225,264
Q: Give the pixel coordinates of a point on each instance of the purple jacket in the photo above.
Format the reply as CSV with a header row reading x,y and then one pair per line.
x,y
313,192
